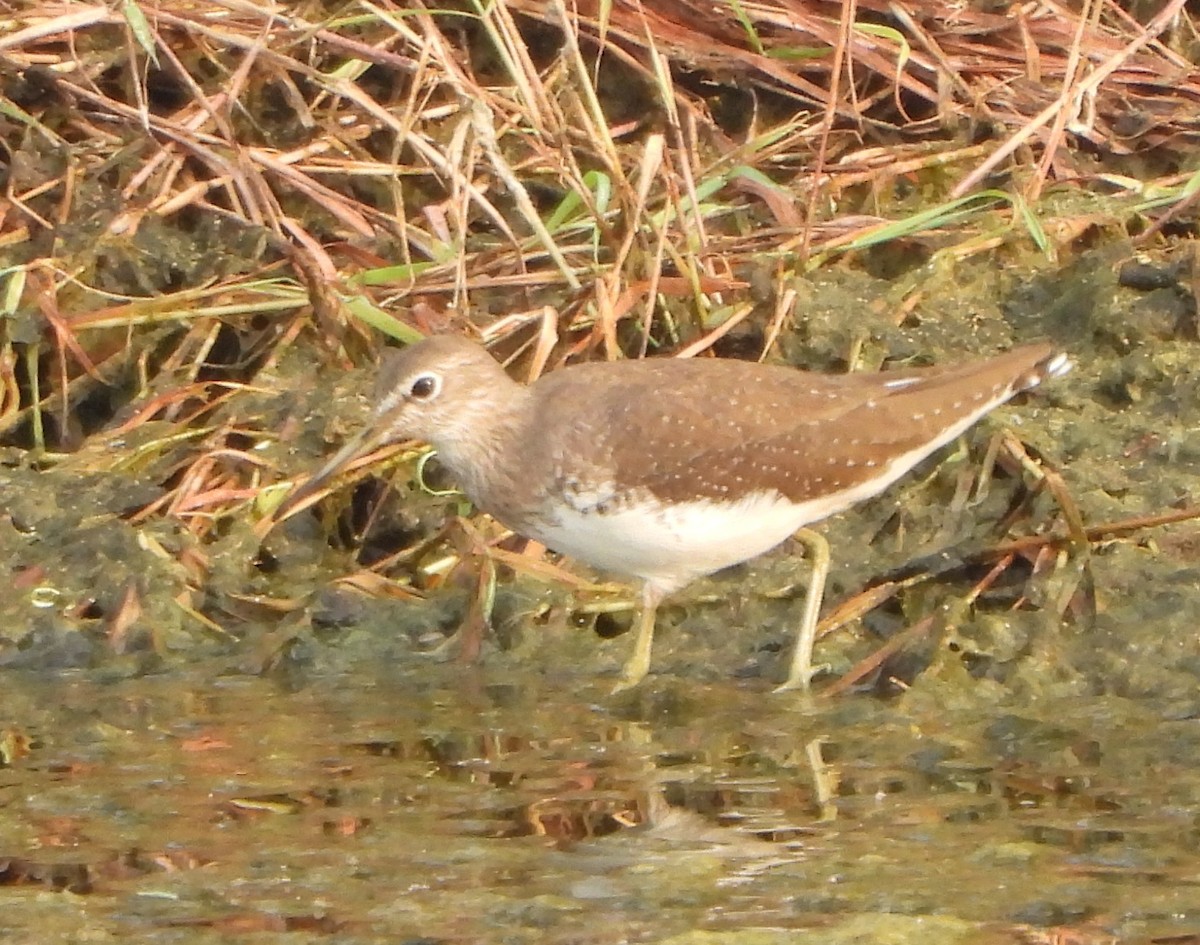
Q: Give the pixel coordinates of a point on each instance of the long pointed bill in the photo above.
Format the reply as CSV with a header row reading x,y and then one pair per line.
x,y
309,491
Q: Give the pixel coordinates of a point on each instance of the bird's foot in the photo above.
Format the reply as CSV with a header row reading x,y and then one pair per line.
x,y
801,678
633,672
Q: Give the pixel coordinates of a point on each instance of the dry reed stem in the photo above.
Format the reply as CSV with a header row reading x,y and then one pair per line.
x,y
484,156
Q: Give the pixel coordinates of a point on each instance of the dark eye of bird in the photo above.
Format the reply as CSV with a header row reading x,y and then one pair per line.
x,y
424,387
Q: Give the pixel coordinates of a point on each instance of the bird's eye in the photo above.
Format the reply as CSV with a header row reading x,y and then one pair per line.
x,y
425,387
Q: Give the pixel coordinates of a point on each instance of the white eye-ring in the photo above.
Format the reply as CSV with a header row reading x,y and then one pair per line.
x,y
425,387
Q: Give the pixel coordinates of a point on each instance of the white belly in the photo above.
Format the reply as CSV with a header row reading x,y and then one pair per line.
x,y
669,546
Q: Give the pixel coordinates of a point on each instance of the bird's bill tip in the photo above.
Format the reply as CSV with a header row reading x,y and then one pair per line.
x,y
310,490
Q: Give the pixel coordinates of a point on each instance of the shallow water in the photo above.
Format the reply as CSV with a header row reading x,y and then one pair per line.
x,y
459,804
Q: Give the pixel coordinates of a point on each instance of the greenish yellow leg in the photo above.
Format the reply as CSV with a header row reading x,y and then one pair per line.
x,y
802,671
638,664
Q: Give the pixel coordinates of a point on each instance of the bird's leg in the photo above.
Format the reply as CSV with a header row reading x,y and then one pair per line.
x,y
802,670
638,664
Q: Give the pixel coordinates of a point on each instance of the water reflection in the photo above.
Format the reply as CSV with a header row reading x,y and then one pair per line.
x,y
448,805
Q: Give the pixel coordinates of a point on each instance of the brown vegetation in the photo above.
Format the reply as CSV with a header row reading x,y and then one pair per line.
x,y
191,187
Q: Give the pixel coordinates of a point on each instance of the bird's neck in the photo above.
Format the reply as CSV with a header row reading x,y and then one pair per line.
x,y
482,448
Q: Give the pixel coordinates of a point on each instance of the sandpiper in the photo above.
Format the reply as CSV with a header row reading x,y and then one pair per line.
x,y
667,469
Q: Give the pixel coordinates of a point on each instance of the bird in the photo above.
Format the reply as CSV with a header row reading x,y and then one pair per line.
x,y
664,470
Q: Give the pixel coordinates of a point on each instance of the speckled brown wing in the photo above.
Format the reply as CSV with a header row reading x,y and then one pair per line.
x,y
651,422
713,429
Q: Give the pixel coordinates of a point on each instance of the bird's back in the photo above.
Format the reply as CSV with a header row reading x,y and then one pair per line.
x,y
711,428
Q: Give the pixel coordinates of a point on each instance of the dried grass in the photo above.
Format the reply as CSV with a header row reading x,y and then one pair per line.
x,y
189,181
